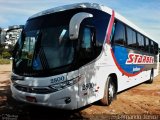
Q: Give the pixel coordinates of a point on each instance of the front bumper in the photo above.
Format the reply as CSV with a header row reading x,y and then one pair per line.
x,y
63,99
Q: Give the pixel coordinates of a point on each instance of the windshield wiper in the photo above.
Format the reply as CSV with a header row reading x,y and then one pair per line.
x,y
18,46
39,51
38,43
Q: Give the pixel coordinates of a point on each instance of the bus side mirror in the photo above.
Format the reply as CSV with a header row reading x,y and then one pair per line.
x,y
75,22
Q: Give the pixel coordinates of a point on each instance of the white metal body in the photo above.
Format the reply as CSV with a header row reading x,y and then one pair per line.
x,y
93,74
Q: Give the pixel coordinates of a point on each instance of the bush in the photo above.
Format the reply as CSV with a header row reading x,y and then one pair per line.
x,y
4,61
6,54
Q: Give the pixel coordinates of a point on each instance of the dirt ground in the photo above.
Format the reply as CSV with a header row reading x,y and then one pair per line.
x,y
140,102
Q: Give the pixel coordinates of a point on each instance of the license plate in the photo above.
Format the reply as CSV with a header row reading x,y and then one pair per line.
x,y
31,99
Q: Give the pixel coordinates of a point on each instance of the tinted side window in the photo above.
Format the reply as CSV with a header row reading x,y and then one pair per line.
x,y
100,22
151,47
147,48
155,48
140,41
86,43
131,37
119,36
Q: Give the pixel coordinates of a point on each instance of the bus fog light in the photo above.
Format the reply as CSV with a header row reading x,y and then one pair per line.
x,y
67,100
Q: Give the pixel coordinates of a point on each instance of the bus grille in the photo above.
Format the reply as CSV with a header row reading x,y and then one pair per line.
x,y
38,90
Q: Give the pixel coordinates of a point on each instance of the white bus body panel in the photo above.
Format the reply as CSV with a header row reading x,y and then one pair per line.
x,y
92,77
55,99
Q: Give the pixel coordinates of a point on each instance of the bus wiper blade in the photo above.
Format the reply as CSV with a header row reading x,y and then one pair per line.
x,y
38,43
13,78
40,51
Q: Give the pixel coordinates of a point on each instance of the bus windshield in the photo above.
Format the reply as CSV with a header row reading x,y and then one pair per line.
x,y
44,45
45,49
49,48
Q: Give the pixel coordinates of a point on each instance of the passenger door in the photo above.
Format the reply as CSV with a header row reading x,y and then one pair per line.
x,y
87,69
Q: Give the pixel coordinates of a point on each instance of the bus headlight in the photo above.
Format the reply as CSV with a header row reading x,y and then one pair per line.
x,y
62,85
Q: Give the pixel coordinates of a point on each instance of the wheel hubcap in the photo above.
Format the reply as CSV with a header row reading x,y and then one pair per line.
x,y
111,91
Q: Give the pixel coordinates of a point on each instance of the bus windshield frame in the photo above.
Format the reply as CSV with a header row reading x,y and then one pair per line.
x,y
56,26
44,45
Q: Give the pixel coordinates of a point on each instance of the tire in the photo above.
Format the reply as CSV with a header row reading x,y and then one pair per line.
x,y
109,92
151,77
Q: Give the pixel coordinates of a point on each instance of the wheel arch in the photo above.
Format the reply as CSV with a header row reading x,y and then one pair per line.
x,y
105,100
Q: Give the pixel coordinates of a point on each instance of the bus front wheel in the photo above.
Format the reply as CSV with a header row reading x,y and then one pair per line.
x,y
109,92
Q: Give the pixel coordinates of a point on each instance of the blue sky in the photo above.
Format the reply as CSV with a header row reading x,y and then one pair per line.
x,y
144,13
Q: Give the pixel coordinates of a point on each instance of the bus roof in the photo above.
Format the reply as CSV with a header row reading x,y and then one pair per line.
x,y
93,6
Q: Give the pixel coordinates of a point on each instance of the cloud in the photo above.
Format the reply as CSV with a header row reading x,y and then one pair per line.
x,y
3,20
17,11
143,13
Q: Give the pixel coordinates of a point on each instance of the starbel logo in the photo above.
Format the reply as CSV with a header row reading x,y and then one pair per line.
x,y
139,59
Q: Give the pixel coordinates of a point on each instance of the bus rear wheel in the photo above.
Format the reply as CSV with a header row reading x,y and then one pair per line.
x,y
151,77
109,93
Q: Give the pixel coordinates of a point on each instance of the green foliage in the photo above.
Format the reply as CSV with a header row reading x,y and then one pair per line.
x,y
1,49
10,49
6,54
4,61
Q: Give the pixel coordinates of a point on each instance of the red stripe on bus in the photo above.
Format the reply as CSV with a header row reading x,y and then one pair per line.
x,y
121,70
111,22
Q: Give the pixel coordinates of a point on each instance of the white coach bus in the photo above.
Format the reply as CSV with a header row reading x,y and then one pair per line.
x,y
73,55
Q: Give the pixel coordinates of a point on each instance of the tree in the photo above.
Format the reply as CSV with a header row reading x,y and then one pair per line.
x,y
1,49
5,53
10,49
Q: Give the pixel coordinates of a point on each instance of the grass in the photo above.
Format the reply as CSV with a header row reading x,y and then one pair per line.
x,y
4,61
